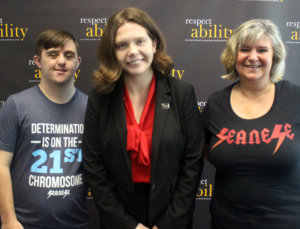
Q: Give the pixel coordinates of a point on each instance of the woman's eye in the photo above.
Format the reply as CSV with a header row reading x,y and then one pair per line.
x,y
120,46
262,50
244,50
140,42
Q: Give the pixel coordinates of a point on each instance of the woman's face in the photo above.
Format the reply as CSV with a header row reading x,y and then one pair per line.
x,y
254,61
134,49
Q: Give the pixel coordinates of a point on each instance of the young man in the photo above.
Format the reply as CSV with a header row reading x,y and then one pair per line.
x,y
41,177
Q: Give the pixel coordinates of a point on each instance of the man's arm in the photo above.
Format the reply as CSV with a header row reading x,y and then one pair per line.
x,y
7,210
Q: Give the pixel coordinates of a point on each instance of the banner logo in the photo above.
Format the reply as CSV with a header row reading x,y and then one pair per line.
x,y
11,32
176,73
201,105
205,190
93,28
294,32
204,30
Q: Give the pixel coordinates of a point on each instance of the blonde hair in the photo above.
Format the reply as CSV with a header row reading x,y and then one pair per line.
x,y
109,70
253,31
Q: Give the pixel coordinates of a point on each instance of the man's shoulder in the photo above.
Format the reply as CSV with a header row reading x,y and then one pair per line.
x,y
32,91
82,94
22,97
82,97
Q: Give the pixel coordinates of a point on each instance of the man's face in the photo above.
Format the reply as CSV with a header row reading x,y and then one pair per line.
x,y
58,64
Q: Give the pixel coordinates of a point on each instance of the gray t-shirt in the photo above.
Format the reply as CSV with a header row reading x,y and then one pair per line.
x,y
49,186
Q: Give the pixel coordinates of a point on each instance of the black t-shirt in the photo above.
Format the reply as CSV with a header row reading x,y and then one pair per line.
x,y
257,182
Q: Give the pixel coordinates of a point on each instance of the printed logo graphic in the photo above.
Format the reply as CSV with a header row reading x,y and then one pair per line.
x,y
280,133
204,30
93,28
58,146
294,32
62,193
205,190
11,32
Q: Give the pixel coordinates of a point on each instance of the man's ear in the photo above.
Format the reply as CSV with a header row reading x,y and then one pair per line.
x,y
37,60
78,62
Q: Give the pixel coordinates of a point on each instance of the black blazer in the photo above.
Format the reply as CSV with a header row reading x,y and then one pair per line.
x,y
176,158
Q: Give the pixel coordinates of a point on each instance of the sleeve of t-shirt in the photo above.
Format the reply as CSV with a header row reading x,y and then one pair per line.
x,y
8,126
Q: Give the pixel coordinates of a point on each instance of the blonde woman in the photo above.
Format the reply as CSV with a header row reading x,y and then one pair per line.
x,y
253,134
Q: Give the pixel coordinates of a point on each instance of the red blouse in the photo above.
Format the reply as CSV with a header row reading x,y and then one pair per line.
x,y
139,136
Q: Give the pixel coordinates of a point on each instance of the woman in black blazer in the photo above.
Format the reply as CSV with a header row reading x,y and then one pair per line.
x,y
143,140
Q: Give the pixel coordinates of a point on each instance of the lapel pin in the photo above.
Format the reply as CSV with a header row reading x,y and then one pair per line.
x,y
165,106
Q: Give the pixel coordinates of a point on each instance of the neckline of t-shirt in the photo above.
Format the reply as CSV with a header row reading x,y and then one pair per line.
x,y
57,104
252,119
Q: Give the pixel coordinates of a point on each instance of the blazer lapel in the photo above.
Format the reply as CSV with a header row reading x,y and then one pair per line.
x,y
118,113
162,106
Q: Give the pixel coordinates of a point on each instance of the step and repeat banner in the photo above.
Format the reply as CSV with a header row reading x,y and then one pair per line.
x,y
195,30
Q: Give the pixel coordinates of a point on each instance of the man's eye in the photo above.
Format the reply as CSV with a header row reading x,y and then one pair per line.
x,y
52,54
70,55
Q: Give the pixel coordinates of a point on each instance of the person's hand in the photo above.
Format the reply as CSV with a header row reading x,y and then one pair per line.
x,y
12,225
154,227
141,226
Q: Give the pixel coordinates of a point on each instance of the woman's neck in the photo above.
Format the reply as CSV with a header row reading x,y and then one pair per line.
x,y
138,84
254,88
